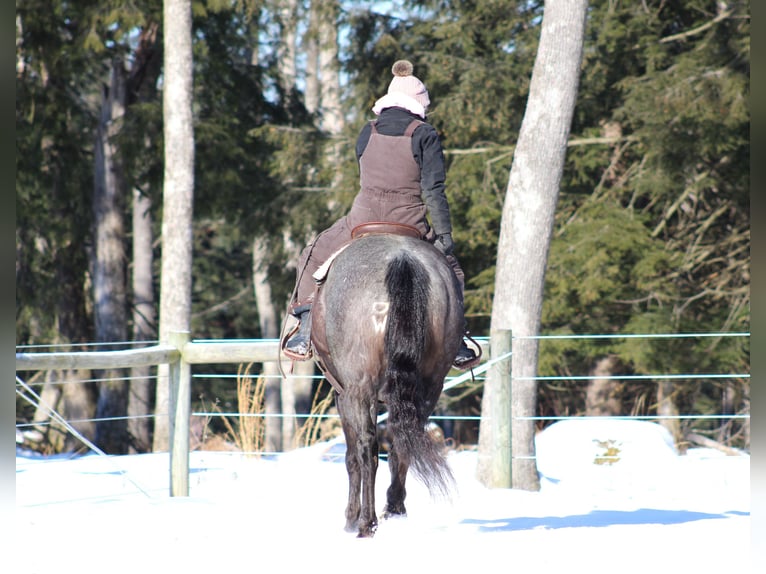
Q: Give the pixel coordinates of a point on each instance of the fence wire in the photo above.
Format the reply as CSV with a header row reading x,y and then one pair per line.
x,y
477,374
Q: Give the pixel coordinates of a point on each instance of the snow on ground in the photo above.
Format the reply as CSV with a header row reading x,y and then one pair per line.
x,y
615,497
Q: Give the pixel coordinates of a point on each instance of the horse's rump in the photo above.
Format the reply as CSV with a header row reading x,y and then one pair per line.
x,y
351,311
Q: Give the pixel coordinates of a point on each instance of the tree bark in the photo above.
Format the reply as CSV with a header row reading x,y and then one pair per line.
x,y
178,195
666,407
527,224
267,317
287,15
602,396
142,87
311,41
109,280
141,397
331,119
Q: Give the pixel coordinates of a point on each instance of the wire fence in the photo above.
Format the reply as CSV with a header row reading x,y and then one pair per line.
x,y
476,377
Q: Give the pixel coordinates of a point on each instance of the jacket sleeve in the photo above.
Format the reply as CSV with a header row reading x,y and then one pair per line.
x,y
429,154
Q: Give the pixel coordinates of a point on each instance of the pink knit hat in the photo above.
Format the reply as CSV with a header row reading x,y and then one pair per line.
x,y
405,83
405,91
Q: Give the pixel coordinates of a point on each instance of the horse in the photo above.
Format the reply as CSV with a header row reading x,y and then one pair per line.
x,y
386,325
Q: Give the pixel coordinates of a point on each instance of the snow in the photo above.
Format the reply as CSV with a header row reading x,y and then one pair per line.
x,y
615,496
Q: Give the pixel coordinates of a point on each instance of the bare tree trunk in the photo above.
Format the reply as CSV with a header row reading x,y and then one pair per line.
x,y
141,398
288,396
147,65
602,396
666,407
267,317
527,225
311,41
331,120
109,283
253,30
287,15
296,400
178,195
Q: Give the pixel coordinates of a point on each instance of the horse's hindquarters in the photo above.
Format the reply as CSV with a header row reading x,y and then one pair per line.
x,y
390,318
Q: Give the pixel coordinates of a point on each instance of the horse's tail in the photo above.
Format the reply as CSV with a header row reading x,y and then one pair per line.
x,y
408,286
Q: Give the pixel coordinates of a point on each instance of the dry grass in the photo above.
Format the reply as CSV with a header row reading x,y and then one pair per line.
x,y
318,426
249,432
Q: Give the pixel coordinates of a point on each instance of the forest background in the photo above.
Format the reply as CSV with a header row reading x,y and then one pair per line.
x,y
652,232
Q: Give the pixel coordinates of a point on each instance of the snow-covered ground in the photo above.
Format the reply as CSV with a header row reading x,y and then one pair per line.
x,y
615,497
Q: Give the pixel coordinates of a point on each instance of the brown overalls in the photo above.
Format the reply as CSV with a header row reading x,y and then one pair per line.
x,y
390,191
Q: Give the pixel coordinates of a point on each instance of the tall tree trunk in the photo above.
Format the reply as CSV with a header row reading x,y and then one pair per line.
x,y
291,395
526,228
602,396
142,87
178,195
330,116
311,41
666,407
331,120
267,317
141,398
109,283
287,15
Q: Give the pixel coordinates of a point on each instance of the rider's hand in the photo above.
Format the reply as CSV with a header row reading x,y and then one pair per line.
x,y
444,243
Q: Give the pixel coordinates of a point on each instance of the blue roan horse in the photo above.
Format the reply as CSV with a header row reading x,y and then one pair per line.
x,y
387,324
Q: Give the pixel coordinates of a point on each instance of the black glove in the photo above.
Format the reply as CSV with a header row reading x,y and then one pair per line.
x,y
444,243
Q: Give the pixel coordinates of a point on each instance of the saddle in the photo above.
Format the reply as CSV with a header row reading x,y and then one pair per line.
x,y
362,230
373,227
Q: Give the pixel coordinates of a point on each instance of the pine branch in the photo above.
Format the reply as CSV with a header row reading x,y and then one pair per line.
x,y
699,29
570,143
223,304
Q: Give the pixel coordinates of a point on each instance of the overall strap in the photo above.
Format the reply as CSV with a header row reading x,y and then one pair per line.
x,y
407,132
414,124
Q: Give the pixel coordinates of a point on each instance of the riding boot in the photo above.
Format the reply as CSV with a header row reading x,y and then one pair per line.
x,y
298,346
466,357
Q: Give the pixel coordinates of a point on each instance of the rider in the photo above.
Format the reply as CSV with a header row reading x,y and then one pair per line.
x,y
402,176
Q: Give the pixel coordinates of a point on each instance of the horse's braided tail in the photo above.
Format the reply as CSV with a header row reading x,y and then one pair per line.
x,y
408,286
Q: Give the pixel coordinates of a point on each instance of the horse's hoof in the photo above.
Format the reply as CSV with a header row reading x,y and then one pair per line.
x,y
367,531
394,512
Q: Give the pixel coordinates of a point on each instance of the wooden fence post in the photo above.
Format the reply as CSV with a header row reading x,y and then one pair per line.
x,y
179,411
501,343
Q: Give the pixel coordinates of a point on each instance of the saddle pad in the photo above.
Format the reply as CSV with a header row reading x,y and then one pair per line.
x,y
321,273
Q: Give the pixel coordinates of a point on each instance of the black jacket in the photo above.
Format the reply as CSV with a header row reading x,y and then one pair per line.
x,y
427,151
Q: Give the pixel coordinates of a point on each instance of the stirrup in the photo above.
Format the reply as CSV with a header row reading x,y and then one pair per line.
x,y
468,362
294,355
301,330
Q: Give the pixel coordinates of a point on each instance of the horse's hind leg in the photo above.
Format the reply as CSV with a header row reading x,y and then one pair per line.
x,y
368,454
396,493
354,472
361,464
